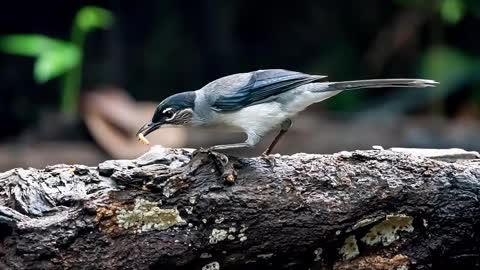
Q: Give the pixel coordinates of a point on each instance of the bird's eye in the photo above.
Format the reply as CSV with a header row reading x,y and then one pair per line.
x,y
168,113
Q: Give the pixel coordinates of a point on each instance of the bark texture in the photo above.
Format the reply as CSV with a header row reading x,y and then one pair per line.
x,y
373,209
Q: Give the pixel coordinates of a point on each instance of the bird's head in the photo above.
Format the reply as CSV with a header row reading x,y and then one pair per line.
x,y
176,110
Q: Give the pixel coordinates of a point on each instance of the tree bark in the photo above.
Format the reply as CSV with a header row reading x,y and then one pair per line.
x,y
374,209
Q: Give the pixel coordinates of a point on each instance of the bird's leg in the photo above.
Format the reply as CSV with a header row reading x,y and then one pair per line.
x,y
283,129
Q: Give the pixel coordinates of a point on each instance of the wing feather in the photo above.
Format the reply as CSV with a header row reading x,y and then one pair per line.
x,y
263,85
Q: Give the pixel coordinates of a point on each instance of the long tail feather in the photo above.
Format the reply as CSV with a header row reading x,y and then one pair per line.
x,y
352,85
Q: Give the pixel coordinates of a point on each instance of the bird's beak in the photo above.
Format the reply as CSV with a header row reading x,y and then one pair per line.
x,y
148,128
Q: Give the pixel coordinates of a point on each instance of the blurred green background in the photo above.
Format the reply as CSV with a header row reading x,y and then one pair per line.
x,y
59,57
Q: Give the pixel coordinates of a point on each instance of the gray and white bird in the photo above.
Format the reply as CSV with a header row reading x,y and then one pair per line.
x,y
256,103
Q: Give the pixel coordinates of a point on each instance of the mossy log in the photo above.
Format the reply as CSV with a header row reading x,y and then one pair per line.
x,y
374,209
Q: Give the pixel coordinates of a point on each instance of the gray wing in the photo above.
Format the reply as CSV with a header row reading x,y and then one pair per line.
x,y
262,85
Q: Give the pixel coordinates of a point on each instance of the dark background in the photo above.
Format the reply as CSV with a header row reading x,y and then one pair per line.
x,y
157,48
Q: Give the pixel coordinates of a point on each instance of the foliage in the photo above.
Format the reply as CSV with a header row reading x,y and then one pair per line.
x,y
451,11
55,57
457,70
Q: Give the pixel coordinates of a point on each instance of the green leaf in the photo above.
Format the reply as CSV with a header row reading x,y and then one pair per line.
x,y
55,62
89,18
446,64
28,44
452,11
449,66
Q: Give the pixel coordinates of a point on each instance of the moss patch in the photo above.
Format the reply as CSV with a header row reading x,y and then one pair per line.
x,y
349,249
147,215
386,232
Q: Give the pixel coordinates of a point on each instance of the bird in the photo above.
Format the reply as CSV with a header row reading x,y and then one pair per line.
x,y
256,103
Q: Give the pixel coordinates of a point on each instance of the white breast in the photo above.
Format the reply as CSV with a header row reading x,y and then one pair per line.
x,y
256,120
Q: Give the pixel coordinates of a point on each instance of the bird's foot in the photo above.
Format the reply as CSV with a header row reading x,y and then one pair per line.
x,y
221,162
269,159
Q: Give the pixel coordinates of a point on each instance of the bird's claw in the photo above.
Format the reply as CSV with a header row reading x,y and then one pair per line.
x,y
269,159
221,162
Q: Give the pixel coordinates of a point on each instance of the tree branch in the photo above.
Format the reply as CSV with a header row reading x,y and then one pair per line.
x,y
375,209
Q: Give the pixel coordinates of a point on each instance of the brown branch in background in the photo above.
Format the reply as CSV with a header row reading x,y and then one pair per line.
x,y
113,118
402,32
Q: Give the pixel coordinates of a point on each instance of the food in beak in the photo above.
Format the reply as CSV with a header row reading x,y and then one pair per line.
x,y
142,139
